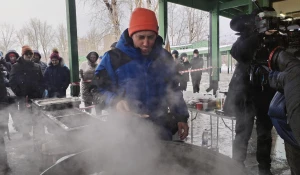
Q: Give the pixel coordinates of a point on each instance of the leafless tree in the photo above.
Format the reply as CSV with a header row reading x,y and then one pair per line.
x,y
62,40
109,9
94,37
32,31
197,24
21,36
46,34
172,16
7,36
112,8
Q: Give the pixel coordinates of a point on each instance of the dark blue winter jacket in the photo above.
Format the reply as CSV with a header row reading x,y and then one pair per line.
x,y
148,83
57,79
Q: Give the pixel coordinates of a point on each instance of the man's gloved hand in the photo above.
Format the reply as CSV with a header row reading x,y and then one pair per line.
x,y
183,130
276,80
45,94
122,106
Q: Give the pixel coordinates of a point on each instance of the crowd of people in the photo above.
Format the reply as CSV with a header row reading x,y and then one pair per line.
x,y
138,76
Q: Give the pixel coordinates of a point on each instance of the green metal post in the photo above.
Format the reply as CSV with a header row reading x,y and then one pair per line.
x,y
214,44
251,7
214,54
265,3
163,18
228,61
73,48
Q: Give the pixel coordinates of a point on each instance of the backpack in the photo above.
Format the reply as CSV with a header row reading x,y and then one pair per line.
x,y
278,115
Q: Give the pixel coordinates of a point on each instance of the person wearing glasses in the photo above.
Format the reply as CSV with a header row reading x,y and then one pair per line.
x,y
57,76
26,81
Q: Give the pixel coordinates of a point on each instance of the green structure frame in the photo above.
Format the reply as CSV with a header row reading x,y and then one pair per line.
x,y
216,8
226,8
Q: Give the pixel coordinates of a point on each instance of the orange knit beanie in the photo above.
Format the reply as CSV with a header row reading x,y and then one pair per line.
x,y
142,19
26,49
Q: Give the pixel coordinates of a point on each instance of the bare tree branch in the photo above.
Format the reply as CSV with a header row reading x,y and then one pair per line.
x,y
7,37
32,29
21,36
62,40
46,34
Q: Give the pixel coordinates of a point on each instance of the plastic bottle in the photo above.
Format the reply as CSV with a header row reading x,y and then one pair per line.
x,y
205,138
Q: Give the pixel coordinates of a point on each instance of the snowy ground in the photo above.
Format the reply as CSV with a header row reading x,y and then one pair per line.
x,y
21,155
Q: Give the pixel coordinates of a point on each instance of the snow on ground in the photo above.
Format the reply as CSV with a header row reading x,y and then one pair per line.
x,y
21,155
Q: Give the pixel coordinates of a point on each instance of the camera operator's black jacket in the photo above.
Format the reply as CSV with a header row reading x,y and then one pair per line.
x,y
288,80
241,90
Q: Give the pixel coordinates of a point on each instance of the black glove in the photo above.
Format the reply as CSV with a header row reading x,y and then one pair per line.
x,y
276,80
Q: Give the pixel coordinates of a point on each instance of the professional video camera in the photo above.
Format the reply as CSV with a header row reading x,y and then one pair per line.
x,y
273,28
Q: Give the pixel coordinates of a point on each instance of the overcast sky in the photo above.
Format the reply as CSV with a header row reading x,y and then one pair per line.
x,y
18,12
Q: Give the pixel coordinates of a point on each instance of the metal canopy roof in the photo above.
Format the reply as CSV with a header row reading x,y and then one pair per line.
x,y
227,8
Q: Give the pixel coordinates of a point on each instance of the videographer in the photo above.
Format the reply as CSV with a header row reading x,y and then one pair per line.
x,y
4,168
249,93
285,107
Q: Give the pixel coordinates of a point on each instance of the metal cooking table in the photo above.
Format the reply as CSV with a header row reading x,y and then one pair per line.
x,y
211,114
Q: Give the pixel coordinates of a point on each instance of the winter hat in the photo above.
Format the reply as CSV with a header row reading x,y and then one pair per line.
x,y
37,52
142,19
183,55
12,55
175,52
55,54
26,49
196,51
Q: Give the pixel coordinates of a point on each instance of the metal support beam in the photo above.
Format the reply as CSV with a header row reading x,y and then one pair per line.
x,y
251,7
214,50
233,4
163,18
228,61
214,44
73,48
265,3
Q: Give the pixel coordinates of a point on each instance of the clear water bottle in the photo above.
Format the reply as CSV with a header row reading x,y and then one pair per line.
x,y
205,138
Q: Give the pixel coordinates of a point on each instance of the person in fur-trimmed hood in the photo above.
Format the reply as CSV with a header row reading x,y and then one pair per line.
x,y
57,76
37,59
87,71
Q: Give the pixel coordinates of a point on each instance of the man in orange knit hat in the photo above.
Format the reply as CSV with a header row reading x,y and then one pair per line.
x,y
141,72
26,81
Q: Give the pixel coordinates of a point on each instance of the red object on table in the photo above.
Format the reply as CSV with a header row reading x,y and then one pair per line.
x,y
199,106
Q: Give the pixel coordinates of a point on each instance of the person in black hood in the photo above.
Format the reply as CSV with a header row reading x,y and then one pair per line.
x,y
37,59
26,81
184,61
249,95
196,63
11,58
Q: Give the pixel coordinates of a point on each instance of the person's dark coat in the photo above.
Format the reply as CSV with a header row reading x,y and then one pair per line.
x,y
3,91
288,82
185,65
41,63
57,79
241,90
148,83
26,79
9,64
196,63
